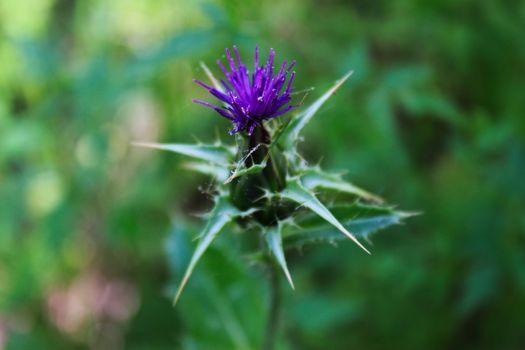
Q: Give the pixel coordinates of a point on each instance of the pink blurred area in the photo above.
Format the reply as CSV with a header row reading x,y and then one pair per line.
x,y
90,299
3,335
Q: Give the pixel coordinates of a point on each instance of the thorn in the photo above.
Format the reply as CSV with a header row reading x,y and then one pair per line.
x,y
407,214
289,278
146,144
181,287
352,237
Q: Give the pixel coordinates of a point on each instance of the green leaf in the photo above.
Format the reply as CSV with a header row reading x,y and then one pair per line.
x,y
290,134
314,178
273,238
217,171
242,170
330,312
346,212
222,214
361,220
211,298
217,154
296,192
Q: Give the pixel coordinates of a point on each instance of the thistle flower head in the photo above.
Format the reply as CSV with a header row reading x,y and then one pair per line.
x,y
250,99
272,191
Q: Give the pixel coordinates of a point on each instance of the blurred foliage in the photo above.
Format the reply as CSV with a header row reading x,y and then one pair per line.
x,y
433,119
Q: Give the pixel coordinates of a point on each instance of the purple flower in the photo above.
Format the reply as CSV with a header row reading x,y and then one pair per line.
x,y
249,99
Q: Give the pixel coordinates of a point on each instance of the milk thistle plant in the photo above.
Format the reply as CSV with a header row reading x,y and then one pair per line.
x,y
262,184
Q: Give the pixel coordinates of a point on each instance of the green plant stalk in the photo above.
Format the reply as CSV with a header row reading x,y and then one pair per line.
x,y
274,310
248,191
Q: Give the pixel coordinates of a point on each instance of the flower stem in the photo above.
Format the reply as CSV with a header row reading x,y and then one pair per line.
x,y
274,311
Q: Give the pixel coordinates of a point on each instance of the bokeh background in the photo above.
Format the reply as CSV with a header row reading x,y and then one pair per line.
x,y
93,231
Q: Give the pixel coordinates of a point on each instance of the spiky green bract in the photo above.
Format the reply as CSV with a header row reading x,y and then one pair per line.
x,y
315,178
289,137
216,153
363,220
265,186
296,192
223,213
274,239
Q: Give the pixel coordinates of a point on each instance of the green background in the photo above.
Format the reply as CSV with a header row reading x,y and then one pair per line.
x,y
93,232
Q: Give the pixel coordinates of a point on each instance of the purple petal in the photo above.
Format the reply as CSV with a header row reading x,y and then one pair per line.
x,y
221,66
230,60
256,59
269,64
289,86
237,56
207,87
252,98
281,112
292,64
221,111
